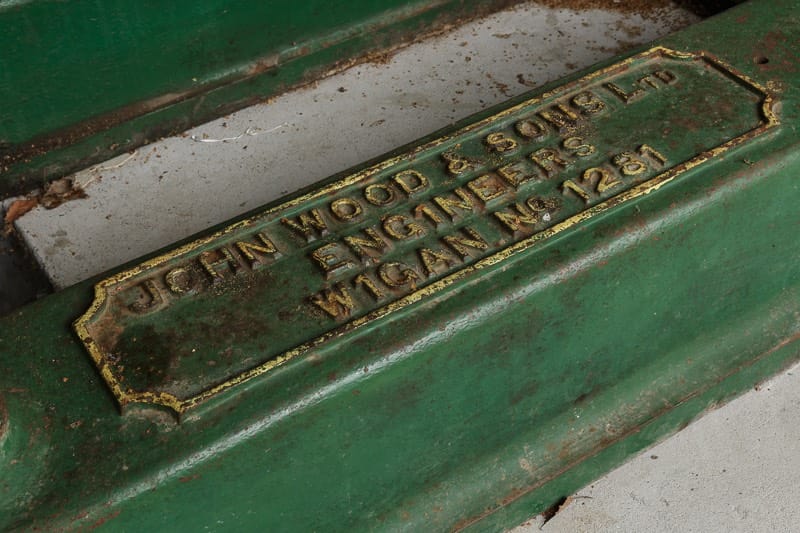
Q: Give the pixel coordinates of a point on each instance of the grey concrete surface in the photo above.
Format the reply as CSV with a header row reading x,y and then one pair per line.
x,y
737,469
181,185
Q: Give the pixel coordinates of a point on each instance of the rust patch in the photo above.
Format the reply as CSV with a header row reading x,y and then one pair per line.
x,y
556,508
104,520
17,209
263,65
59,191
776,51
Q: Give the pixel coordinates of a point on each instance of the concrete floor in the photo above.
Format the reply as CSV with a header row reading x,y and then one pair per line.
x,y
734,470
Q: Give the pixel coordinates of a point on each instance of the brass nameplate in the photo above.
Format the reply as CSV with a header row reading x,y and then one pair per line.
x,y
224,309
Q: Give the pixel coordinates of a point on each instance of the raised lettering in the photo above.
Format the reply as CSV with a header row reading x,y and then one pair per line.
x,y
179,280
513,175
361,245
468,241
456,164
450,205
336,301
487,187
216,266
578,146
531,129
411,181
547,159
397,275
620,93
431,259
588,103
515,217
148,297
346,209
254,251
499,142
379,194
367,283
560,116
329,258
400,228
424,210
308,224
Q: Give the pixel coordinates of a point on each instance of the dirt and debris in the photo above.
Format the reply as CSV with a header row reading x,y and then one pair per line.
x,y
502,87
554,509
57,192
557,507
60,191
522,81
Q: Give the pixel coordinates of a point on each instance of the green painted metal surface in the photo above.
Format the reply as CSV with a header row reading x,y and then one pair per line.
x,y
500,381
82,81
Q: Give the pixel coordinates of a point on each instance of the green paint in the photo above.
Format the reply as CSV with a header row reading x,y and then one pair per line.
x,y
489,399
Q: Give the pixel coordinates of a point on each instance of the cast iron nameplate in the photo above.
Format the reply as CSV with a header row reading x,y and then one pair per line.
x,y
182,327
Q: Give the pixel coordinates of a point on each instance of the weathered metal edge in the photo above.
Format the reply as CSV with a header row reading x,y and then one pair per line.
x,y
46,156
125,397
